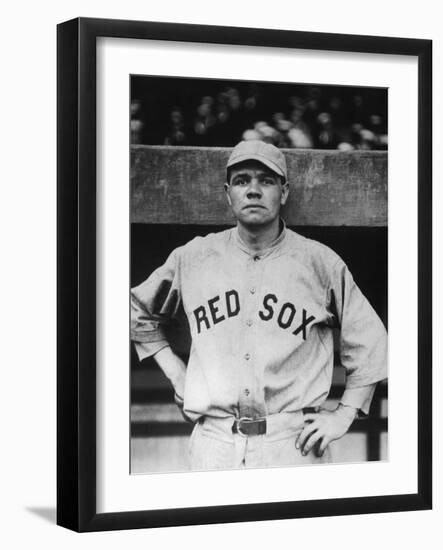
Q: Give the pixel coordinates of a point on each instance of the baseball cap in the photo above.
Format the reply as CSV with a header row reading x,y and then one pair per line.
x,y
267,154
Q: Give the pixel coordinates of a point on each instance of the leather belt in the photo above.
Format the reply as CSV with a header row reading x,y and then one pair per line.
x,y
257,426
248,426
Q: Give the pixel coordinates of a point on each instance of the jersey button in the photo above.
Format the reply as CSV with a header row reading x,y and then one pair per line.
x,y
256,258
252,290
249,322
247,356
247,392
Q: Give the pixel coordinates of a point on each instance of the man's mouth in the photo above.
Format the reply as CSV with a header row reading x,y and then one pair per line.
x,y
253,206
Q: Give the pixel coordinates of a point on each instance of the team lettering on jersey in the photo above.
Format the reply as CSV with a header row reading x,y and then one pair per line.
x,y
219,308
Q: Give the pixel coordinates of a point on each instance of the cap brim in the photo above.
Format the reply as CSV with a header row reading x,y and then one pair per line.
x,y
263,160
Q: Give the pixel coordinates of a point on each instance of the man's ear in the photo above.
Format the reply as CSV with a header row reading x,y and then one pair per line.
x,y
226,187
285,193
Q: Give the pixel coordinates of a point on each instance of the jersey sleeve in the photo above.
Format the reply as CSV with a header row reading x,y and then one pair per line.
x,y
359,398
153,303
363,338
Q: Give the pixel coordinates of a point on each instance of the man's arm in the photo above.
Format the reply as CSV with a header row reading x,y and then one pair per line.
x,y
174,369
153,303
362,347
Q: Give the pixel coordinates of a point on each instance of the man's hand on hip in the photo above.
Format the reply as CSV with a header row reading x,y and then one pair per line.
x,y
323,427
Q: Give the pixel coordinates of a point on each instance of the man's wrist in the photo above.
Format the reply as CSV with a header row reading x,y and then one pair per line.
x,y
347,411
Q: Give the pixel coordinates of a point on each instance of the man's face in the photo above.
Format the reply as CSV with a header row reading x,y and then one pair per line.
x,y
255,193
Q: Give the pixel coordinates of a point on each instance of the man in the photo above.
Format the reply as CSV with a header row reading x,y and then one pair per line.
x,y
262,303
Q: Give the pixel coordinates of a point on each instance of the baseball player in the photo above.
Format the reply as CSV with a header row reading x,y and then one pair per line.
x,y
262,303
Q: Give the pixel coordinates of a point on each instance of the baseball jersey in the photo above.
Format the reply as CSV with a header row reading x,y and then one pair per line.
x,y
261,324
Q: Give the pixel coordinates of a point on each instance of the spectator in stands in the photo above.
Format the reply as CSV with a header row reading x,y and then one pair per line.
x,y
203,122
251,135
237,115
312,107
378,127
299,135
283,127
269,134
358,111
252,107
367,140
222,130
176,134
136,122
326,135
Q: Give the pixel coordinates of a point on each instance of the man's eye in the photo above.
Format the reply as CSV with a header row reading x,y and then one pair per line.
x,y
268,181
240,181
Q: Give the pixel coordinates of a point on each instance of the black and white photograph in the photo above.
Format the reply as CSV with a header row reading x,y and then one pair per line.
x,y
258,273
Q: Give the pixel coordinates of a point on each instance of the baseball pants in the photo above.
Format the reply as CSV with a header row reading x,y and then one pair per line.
x,y
213,445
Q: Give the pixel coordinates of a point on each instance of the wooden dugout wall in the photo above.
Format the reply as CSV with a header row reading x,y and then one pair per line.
x,y
177,193
184,185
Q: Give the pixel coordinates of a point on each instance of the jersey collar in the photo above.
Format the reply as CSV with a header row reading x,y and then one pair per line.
x,y
273,247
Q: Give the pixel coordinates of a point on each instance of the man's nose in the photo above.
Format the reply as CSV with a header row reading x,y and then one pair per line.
x,y
254,189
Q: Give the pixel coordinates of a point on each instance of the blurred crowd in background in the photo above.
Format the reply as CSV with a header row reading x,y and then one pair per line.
x,y
200,112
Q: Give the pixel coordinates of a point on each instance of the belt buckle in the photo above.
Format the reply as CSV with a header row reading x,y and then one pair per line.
x,y
239,423
256,426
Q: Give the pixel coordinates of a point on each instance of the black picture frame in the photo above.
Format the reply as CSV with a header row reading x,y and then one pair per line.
x,y
76,264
